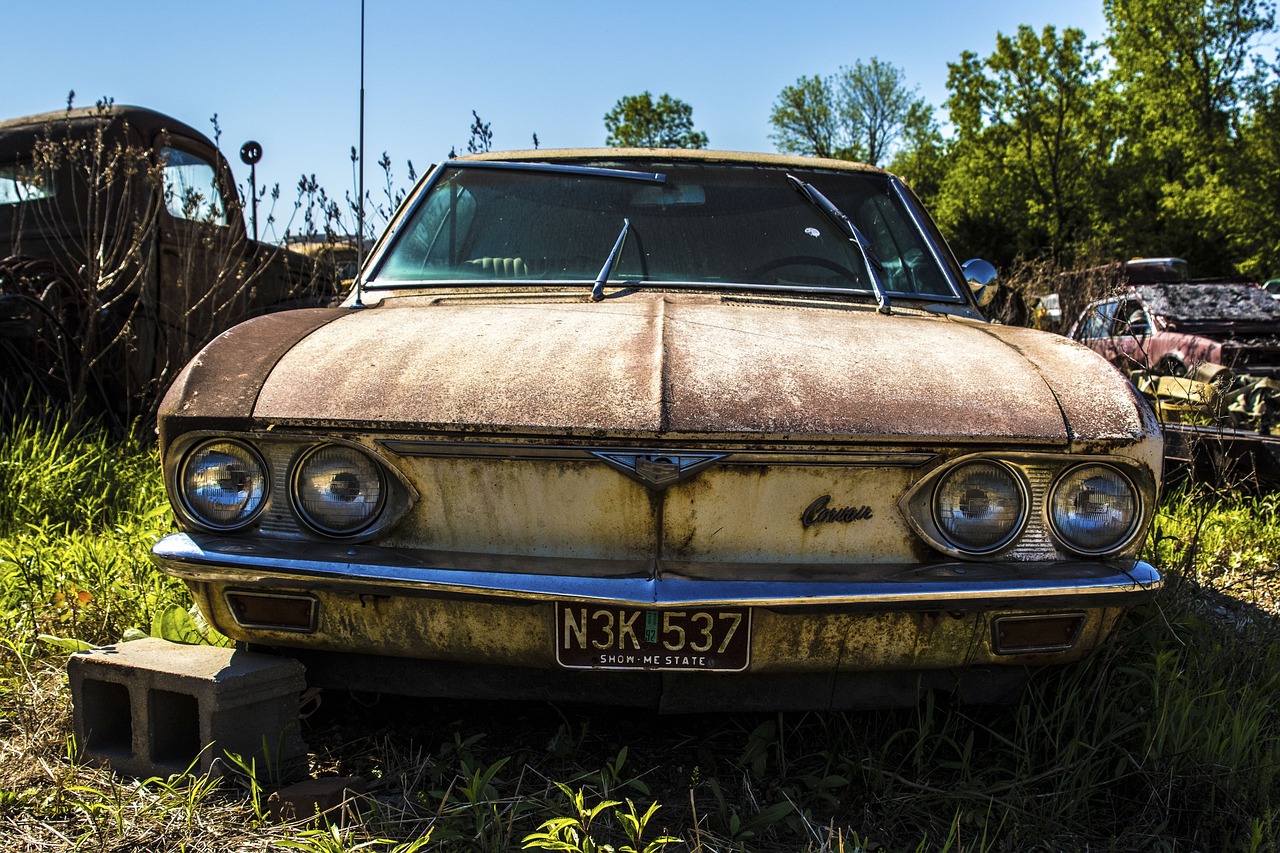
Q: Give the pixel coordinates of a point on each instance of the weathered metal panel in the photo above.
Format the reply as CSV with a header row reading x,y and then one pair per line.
x,y
737,513
664,363
576,510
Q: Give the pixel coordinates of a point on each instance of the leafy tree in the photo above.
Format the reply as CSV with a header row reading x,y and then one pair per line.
x,y
638,121
922,160
804,118
1182,70
859,113
1032,136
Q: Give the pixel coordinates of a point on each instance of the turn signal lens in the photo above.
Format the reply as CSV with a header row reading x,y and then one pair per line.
x,y
223,484
1094,509
338,490
980,506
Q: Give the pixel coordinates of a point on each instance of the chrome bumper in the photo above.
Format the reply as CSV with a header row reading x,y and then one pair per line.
x,y
855,587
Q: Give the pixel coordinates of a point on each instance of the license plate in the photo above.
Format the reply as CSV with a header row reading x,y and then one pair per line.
x,y
709,639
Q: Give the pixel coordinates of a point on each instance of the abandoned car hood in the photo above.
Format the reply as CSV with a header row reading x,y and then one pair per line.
x,y
654,363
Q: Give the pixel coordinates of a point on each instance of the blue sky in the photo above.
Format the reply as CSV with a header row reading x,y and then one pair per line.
x,y
287,74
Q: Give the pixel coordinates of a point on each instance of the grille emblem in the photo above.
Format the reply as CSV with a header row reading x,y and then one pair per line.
x,y
659,470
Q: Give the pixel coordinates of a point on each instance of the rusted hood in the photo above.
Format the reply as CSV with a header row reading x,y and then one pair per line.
x,y
652,363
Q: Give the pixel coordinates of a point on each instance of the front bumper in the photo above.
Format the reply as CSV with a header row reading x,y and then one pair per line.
x,y
500,611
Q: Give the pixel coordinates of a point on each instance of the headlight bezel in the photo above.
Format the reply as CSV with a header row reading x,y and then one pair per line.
x,y
1064,541
1037,539
280,450
191,514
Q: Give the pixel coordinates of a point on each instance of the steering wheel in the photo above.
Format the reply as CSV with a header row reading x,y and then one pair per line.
x,y
805,260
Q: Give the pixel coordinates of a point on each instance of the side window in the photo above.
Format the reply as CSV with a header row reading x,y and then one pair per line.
x,y
191,188
1130,320
1098,322
434,237
19,184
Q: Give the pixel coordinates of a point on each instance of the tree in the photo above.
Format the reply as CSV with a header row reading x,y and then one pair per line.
x,y
874,102
804,117
1032,139
858,113
1182,69
922,158
637,121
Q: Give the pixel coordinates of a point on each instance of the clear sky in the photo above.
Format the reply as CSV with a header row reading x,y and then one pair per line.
x,y
288,73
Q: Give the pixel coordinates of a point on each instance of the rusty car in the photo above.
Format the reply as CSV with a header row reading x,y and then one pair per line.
x,y
1207,354
123,250
687,430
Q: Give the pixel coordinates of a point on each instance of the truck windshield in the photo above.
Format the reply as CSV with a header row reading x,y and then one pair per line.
x,y
696,225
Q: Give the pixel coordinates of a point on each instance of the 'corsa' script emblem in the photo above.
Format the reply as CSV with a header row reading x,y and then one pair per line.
x,y
821,511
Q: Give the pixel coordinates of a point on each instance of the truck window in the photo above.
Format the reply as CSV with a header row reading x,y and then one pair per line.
x,y
19,184
191,188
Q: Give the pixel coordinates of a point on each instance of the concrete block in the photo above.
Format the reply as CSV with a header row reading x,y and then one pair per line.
x,y
154,708
329,797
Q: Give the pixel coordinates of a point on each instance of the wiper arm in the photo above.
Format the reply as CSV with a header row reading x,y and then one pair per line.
x,y
597,292
845,224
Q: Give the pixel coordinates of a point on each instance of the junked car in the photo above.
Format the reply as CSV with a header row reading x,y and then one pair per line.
x,y
123,250
678,429
1171,328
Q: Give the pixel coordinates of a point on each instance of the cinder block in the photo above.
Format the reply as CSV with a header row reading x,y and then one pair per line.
x,y
331,798
154,708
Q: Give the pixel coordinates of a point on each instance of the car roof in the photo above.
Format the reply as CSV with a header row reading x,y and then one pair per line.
x,y
1209,301
146,121
701,155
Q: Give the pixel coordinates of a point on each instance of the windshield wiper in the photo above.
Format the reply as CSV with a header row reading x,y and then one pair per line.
x,y
597,291
845,224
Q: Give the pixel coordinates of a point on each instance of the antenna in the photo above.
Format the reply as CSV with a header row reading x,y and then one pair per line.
x,y
360,185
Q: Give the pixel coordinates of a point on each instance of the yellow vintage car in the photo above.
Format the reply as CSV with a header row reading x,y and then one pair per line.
x,y
682,429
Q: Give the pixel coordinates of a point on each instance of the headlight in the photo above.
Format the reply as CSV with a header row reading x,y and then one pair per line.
x,y
1094,509
980,506
223,484
338,490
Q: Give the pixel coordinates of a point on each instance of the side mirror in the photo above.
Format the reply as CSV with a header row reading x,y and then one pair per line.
x,y
983,280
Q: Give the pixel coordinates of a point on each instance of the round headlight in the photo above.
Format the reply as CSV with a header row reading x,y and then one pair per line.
x,y
1094,509
338,490
223,484
980,506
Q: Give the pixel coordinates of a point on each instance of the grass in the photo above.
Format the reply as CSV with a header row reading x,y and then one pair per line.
x,y
1169,739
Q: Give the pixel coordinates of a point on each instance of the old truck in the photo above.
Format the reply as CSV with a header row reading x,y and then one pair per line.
x,y
124,250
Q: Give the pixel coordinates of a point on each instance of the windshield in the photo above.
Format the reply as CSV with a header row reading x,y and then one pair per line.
x,y
691,224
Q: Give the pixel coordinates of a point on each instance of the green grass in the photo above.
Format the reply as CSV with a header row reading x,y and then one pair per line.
x,y
1168,739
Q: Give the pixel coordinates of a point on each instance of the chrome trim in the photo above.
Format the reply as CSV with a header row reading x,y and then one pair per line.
x,y
594,452
380,570
562,168
906,202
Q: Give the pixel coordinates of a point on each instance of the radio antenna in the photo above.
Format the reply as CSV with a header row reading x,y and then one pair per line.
x,y
360,184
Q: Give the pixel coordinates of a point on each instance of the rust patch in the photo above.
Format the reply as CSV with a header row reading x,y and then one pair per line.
x,y
222,381
664,363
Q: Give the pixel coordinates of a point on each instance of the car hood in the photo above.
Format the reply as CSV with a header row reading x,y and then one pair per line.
x,y
663,364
